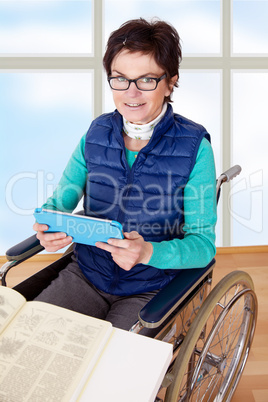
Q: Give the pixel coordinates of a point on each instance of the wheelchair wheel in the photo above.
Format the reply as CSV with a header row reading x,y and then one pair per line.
x,y
214,352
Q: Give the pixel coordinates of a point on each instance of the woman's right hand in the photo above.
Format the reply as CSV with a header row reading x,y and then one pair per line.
x,y
52,242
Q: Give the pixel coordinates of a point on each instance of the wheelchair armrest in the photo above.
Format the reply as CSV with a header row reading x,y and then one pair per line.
x,y
19,253
24,250
27,248
169,298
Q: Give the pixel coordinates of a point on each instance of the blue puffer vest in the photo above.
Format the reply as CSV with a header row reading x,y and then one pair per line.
x,y
147,198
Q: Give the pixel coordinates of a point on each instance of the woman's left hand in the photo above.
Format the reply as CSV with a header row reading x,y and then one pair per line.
x,y
132,250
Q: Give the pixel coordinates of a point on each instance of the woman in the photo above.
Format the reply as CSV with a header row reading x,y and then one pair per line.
x,y
146,167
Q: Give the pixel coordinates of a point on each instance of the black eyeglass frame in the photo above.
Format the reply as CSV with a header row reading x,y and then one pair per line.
x,y
157,80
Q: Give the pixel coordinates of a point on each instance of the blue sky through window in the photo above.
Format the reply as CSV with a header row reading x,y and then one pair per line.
x,y
249,195
197,21
47,27
43,115
250,28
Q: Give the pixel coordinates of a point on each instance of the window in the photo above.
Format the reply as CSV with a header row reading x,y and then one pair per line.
x,y
249,195
43,116
198,21
250,32
46,27
52,85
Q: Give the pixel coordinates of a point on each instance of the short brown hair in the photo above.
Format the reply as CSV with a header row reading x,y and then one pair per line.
x,y
157,38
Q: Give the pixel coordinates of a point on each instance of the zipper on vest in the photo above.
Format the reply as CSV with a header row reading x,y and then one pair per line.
x,y
120,219
115,279
121,214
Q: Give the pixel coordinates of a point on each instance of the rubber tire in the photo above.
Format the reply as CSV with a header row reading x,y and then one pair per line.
x,y
236,278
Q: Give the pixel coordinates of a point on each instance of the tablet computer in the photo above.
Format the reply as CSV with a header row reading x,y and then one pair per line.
x,y
83,229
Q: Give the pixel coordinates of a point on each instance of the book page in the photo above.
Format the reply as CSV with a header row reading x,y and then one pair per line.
x,y
10,303
47,353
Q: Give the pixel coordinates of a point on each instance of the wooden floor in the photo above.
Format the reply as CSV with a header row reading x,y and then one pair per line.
x,y
253,386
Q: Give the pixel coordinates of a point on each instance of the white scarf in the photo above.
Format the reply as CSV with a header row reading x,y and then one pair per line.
x,y
142,131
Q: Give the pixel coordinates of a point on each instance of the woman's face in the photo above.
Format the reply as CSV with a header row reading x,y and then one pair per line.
x,y
137,106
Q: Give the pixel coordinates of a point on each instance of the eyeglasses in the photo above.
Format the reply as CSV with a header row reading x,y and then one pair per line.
x,y
143,83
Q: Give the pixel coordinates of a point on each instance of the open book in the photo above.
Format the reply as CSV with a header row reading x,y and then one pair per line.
x,y
47,353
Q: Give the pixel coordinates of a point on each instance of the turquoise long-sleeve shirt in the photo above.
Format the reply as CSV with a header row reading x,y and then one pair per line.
x,y
197,248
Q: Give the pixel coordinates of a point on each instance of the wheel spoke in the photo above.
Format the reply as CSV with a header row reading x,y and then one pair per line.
x,y
218,341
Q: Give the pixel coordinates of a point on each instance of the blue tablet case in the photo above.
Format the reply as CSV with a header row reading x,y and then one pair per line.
x,y
83,229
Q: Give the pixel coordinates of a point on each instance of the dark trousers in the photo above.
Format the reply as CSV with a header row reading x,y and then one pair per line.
x,y
72,290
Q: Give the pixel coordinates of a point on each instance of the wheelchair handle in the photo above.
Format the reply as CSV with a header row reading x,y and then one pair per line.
x,y
225,177
231,173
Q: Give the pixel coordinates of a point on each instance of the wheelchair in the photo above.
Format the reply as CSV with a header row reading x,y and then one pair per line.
x,y
211,330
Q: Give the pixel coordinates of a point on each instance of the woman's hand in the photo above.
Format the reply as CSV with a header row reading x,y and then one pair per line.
x,y
132,250
51,241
